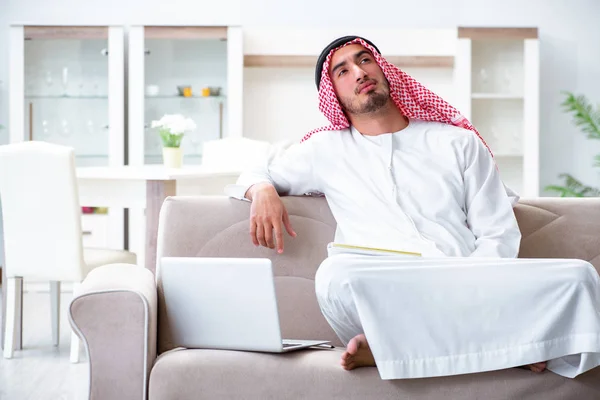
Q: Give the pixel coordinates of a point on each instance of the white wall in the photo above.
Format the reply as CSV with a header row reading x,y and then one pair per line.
x,y
569,35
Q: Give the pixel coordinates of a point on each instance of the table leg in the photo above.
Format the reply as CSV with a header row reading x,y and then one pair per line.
x,y
156,193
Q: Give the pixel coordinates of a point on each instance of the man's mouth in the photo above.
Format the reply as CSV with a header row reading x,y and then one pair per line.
x,y
365,87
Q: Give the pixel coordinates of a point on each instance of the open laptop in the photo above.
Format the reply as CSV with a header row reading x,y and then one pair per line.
x,y
224,303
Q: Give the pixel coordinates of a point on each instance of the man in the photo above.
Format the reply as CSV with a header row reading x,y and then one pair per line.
x,y
402,170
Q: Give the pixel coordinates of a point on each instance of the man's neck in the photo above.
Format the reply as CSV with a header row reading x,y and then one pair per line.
x,y
385,120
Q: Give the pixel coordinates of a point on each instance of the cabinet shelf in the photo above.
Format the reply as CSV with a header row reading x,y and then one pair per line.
x,y
508,155
153,155
174,96
497,96
67,97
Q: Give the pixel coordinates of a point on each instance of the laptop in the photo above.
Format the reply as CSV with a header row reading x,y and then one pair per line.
x,y
224,303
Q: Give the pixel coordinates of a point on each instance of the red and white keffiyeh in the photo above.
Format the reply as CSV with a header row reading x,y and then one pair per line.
x,y
412,98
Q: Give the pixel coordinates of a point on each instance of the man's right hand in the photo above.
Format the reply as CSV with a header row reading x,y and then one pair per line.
x,y
267,216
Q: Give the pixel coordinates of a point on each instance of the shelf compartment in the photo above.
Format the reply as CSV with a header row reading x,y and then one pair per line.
x,y
497,66
500,123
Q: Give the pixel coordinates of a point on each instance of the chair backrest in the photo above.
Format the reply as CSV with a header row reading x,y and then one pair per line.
x,y
40,212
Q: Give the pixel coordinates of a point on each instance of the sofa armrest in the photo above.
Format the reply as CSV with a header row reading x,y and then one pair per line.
x,y
114,312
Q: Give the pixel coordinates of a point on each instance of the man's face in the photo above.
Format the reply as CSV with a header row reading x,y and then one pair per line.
x,y
358,81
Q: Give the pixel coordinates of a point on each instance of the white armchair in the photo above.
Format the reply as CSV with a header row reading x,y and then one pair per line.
x,y
42,230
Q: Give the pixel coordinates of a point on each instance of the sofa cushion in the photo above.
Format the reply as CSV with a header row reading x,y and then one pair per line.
x,y
316,374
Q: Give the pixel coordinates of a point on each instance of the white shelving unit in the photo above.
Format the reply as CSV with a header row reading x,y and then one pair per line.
x,y
67,87
497,78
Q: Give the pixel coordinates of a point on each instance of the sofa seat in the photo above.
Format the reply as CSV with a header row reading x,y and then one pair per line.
x,y
316,374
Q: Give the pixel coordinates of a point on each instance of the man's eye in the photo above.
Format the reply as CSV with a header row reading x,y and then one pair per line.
x,y
342,72
364,59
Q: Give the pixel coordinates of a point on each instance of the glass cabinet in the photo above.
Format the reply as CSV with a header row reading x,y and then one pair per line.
x,y
67,88
195,71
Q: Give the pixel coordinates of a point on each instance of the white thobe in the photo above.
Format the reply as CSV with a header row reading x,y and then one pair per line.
x,y
434,189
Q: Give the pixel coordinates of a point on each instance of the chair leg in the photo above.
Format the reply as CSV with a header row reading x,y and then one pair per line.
x,y
19,314
11,317
75,342
55,311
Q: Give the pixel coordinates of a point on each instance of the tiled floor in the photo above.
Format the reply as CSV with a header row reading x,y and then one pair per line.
x,y
41,371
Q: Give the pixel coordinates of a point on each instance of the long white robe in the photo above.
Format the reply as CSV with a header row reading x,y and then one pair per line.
x,y
433,188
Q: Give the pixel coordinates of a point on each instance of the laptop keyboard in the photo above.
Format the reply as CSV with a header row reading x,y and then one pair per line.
x,y
290,345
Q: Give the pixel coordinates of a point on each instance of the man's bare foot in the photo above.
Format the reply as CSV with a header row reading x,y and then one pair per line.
x,y
358,354
537,367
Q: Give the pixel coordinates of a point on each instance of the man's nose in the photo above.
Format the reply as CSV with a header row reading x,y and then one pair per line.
x,y
359,73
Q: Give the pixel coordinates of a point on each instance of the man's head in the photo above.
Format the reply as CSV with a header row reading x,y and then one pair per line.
x,y
357,79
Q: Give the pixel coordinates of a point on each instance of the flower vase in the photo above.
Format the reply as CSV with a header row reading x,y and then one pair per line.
x,y
172,157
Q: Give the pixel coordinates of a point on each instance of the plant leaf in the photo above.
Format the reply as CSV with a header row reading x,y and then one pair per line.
x,y
573,188
564,192
584,116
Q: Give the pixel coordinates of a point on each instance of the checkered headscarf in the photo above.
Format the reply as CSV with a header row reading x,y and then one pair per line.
x,y
412,98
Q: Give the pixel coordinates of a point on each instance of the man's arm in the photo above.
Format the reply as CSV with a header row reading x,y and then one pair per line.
x,y
490,214
290,172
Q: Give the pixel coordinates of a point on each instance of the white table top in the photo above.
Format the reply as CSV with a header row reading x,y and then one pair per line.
x,y
151,173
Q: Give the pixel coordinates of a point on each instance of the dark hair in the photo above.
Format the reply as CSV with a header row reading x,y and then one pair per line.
x,y
336,43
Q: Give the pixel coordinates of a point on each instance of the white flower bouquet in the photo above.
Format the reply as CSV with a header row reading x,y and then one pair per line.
x,y
171,128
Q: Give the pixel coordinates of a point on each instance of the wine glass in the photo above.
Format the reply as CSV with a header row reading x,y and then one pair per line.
x,y
516,142
65,80
484,79
66,130
48,80
95,83
90,126
45,128
507,80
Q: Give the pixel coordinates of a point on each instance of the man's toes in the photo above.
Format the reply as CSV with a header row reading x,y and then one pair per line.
x,y
537,368
348,366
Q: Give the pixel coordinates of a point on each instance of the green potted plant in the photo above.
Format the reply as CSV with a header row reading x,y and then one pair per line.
x,y
588,119
171,128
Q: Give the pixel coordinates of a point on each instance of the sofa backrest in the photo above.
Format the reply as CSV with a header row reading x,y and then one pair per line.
x,y
219,227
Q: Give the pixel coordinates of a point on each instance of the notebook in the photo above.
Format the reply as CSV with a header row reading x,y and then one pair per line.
x,y
339,248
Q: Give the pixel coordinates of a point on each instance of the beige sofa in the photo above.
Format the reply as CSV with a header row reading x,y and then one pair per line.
x,y
118,314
